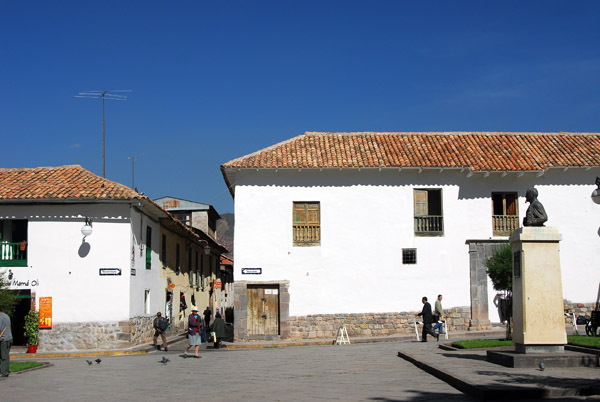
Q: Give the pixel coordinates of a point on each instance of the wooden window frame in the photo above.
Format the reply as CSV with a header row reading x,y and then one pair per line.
x,y
505,223
306,232
148,247
427,224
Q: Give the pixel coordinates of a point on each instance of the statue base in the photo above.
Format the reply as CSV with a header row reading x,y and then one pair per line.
x,y
538,309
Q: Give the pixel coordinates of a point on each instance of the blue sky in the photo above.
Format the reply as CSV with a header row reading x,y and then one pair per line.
x,y
215,80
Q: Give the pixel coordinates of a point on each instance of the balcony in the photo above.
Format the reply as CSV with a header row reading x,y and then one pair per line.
x,y
13,254
429,225
504,225
307,235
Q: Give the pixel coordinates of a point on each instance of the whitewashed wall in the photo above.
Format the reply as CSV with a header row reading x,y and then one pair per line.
x,y
145,279
367,218
62,266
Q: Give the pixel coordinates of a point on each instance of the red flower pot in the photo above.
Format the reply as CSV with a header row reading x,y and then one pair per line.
x,y
32,348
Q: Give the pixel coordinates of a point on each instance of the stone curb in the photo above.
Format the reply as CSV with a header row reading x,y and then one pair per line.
x,y
318,342
136,350
43,366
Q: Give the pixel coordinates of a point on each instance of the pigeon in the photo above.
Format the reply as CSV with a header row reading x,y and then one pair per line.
x,y
89,362
98,361
542,366
164,360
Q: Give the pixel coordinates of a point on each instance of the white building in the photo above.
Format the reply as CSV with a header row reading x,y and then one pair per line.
x,y
103,289
371,222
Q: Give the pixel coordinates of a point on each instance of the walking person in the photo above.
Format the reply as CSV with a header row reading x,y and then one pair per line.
x,y
438,315
219,329
160,327
207,313
194,332
427,319
6,340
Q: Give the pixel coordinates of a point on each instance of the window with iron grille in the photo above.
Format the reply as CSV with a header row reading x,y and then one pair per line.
x,y
409,256
307,224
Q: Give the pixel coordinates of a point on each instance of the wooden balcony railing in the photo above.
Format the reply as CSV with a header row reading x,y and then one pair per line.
x,y
307,234
504,225
13,254
429,225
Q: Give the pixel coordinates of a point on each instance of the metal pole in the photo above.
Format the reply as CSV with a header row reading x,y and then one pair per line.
x,y
132,172
103,141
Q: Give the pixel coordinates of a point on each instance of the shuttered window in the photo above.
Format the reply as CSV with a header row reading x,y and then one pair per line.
x,y
307,224
148,247
429,220
505,215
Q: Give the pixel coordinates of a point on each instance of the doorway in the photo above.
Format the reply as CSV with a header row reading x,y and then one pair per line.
x,y
22,307
263,310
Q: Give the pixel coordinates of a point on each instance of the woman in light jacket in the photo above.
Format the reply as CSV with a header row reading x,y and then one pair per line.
x,y
194,331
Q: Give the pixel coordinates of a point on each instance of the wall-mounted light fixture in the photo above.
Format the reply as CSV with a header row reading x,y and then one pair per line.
x,y
204,244
596,192
87,229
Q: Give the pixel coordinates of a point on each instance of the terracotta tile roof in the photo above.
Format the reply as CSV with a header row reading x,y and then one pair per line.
x,y
478,151
71,182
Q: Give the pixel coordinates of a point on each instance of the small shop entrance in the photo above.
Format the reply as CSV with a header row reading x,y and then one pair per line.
x,y
263,311
22,307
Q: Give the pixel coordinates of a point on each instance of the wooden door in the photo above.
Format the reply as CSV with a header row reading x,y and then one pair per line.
x,y
263,310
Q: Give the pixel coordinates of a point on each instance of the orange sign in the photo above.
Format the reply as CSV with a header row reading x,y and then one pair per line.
x,y
46,312
171,286
217,284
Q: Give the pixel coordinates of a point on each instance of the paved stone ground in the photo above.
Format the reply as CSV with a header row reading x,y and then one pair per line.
x,y
367,371
346,372
472,368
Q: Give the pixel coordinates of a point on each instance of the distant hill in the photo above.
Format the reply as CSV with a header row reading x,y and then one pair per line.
x,y
225,232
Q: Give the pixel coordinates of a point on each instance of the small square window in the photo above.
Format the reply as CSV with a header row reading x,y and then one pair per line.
x,y
409,256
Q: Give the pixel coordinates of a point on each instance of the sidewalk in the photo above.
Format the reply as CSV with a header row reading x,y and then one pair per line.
x,y
20,352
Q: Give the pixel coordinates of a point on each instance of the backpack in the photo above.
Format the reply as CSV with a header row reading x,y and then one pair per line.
x,y
162,324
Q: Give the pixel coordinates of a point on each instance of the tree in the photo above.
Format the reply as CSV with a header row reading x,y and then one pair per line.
x,y
499,268
7,300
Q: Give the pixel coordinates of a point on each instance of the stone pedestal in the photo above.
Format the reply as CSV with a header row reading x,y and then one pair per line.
x,y
538,312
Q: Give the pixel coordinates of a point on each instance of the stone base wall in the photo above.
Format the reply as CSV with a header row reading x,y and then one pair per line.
x,y
369,324
584,309
97,335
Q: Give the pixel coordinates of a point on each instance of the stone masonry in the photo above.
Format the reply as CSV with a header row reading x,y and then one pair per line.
x,y
97,335
370,324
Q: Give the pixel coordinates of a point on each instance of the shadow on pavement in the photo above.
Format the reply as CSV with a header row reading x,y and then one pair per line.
x,y
585,386
468,356
429,396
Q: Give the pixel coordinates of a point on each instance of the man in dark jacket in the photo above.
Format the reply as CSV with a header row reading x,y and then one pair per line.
x,y
160,328
427,320
6,341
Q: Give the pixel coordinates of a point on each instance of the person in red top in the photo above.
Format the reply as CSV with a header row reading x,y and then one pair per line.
x,y
194,330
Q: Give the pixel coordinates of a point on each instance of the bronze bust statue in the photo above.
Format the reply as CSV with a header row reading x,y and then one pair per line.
x,y
536,214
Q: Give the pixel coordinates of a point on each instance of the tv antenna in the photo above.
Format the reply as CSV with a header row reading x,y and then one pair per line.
x,y
106,94
133,158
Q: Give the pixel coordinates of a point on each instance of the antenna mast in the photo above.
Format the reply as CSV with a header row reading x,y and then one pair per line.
x,y
133,158
106,94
